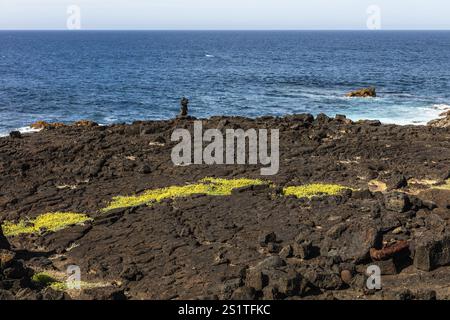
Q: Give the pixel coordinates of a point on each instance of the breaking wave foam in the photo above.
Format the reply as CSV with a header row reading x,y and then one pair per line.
x,y
26,129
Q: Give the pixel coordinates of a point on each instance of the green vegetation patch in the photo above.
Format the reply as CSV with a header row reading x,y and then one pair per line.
x,y
53,221
445,186
44,279
208,186
315,189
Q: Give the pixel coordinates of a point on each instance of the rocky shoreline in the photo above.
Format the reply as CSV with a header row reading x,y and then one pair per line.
x,y
258,242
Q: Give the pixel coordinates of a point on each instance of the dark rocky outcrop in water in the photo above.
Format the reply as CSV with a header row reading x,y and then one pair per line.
x,y
255,243
366,92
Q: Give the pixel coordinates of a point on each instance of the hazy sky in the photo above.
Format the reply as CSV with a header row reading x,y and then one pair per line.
x,y
225,14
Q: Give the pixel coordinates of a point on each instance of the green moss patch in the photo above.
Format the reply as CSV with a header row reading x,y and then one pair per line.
x,y
49,221
208,186
312,190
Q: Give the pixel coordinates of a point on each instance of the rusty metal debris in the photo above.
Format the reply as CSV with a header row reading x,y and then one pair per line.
x,y
388,251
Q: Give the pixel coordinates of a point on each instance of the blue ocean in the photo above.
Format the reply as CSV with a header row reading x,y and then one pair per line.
x,y
122,76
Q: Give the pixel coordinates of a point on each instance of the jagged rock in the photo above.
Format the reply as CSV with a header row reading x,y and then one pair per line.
x,y
28,294
443,122
435,222
270,293
6,295
15,134
255,279
287,282
273,247
212,297
303,250
59,241
270,263
267,238
6,257
359,282
373,123
354,243
425,294
396,182
229,286
109,293
439,197
389,221
244,293
324,279
322,118
443,213
396,201
160,139
335,231
4,244
53,125
51,294
445,175
131,273
343,118
286,252
366,92
85,123
301,118
46,125
406,294
362,194
145,169
431,251
15,278
387,267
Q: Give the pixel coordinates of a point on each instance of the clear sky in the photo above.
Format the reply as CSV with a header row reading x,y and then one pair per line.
x,y
225,14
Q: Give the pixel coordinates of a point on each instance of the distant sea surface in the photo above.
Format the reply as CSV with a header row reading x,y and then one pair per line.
x,y
122,76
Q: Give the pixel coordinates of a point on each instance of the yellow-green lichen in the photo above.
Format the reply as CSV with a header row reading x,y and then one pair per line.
x,y
377,186
53,221
315,189
208,186
224,187
45,279
77,285
445,186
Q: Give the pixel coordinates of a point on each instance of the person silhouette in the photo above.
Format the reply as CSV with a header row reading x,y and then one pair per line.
x,y
184,107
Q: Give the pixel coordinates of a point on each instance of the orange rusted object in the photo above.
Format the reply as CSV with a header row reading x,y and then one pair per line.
x,y
388,251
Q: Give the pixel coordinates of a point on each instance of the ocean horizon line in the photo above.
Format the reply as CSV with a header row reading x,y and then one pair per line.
x,y
230,30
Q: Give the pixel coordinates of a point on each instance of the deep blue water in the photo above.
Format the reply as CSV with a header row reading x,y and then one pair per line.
x,y
120,76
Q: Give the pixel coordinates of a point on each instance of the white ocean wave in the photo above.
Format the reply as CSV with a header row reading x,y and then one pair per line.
x,y
441,107
402,115
26,129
